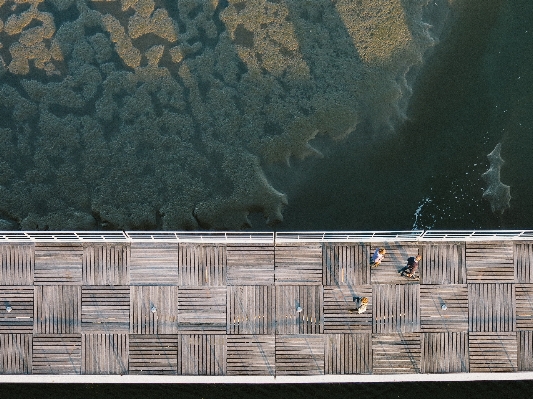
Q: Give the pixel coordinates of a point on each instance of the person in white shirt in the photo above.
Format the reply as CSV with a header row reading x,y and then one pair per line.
x,y
378,256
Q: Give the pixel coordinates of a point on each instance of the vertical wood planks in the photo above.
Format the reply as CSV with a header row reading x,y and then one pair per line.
x,y
309,320
153,310
202,265
443,263
250,309
396,308
202,354
16,353
57,309
345,264
445,352
104,354
106,264
18,262
491,307
348,353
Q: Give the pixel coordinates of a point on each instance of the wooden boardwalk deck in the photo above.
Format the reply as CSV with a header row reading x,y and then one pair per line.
x,y
215,308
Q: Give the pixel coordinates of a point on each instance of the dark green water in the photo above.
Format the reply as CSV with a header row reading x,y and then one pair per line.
x,y
475,92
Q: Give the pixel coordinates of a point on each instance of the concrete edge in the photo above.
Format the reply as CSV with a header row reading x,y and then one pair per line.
x,y
317,379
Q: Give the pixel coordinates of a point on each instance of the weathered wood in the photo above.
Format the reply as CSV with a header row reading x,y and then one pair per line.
x,y
490,262
523,260
445,352
395,353
105,309
309,320
348,353
524,307
298,264
492,351
396,308
104,354
106,264
202,265
299,354
250,263
18,262
154,263
16,353
153,310
388,272
202,354
250,309
491,307
443,263
525,350
57,309
251,355
19,319
58,263
56,354
340,315
346,264
454,315
202,310
153,354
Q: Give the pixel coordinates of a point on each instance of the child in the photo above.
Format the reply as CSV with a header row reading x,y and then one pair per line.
x,y
412,267
378,256
363,303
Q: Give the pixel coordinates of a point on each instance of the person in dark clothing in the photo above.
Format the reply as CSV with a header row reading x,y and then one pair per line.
x,y
412,266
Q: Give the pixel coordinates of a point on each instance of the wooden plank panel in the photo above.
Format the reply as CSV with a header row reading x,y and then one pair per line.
x,y
57,309
202,265
104,354
488,262
445,352
58,263
524,306
299,354
18,262
433,318
523,258
250,309
388,272
443,263
396,308
396,353
56,354
105,309
339,309
348,353
309,320
154,263
202,310
20,319
525,351
298,263
250,264
153,310
491,307
16,353
251,355
203,354
106,264
153,354
345,264
492,352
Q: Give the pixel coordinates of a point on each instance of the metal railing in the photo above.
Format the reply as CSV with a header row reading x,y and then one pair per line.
x,y
337,236
265,237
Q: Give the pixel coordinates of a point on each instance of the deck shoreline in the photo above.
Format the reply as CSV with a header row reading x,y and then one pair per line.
x,y
230,307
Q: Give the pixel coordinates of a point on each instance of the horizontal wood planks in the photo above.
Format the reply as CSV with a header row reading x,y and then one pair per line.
x,y
210,308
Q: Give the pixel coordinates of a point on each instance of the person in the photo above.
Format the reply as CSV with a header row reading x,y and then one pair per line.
x,y
378,256
412,266
363,303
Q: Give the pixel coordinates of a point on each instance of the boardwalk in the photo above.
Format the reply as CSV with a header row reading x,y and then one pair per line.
x,y
263,305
